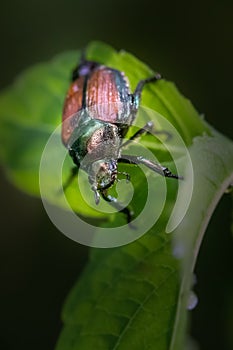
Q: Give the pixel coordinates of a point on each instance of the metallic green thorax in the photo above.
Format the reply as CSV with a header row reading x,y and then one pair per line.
x,y
94,140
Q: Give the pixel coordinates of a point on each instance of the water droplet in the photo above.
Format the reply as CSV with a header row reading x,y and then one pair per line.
x,y
178,250
192,301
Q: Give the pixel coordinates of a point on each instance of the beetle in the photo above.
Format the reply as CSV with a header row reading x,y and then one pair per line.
x,y
98,111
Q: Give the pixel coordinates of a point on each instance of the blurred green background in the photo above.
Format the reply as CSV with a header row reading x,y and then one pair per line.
x,y
190,44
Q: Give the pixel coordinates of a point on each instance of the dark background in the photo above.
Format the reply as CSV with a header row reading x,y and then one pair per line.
x,y
192,45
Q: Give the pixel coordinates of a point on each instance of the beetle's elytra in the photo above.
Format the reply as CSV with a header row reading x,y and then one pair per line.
x,y
98,111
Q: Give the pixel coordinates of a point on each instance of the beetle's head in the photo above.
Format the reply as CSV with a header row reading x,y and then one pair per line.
x,y
102,175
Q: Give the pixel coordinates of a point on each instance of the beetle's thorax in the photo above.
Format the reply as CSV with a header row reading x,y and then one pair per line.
x,y
94,141
104,142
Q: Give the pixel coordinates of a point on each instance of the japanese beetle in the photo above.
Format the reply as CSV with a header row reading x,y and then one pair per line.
x,y
98,112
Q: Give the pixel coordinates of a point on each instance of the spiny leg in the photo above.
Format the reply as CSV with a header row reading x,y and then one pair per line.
x,y
138,91
156,167
113,201
147,128
136,96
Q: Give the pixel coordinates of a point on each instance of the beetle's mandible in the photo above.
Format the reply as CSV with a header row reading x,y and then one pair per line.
x,y
98,112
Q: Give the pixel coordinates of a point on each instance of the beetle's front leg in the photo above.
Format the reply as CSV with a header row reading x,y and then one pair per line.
x,y
113,201
156,167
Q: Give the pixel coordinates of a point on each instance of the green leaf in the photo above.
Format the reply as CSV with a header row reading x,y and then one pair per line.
x,y
135,296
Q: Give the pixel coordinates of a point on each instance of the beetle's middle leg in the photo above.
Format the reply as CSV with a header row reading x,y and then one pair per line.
x,y
147,129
